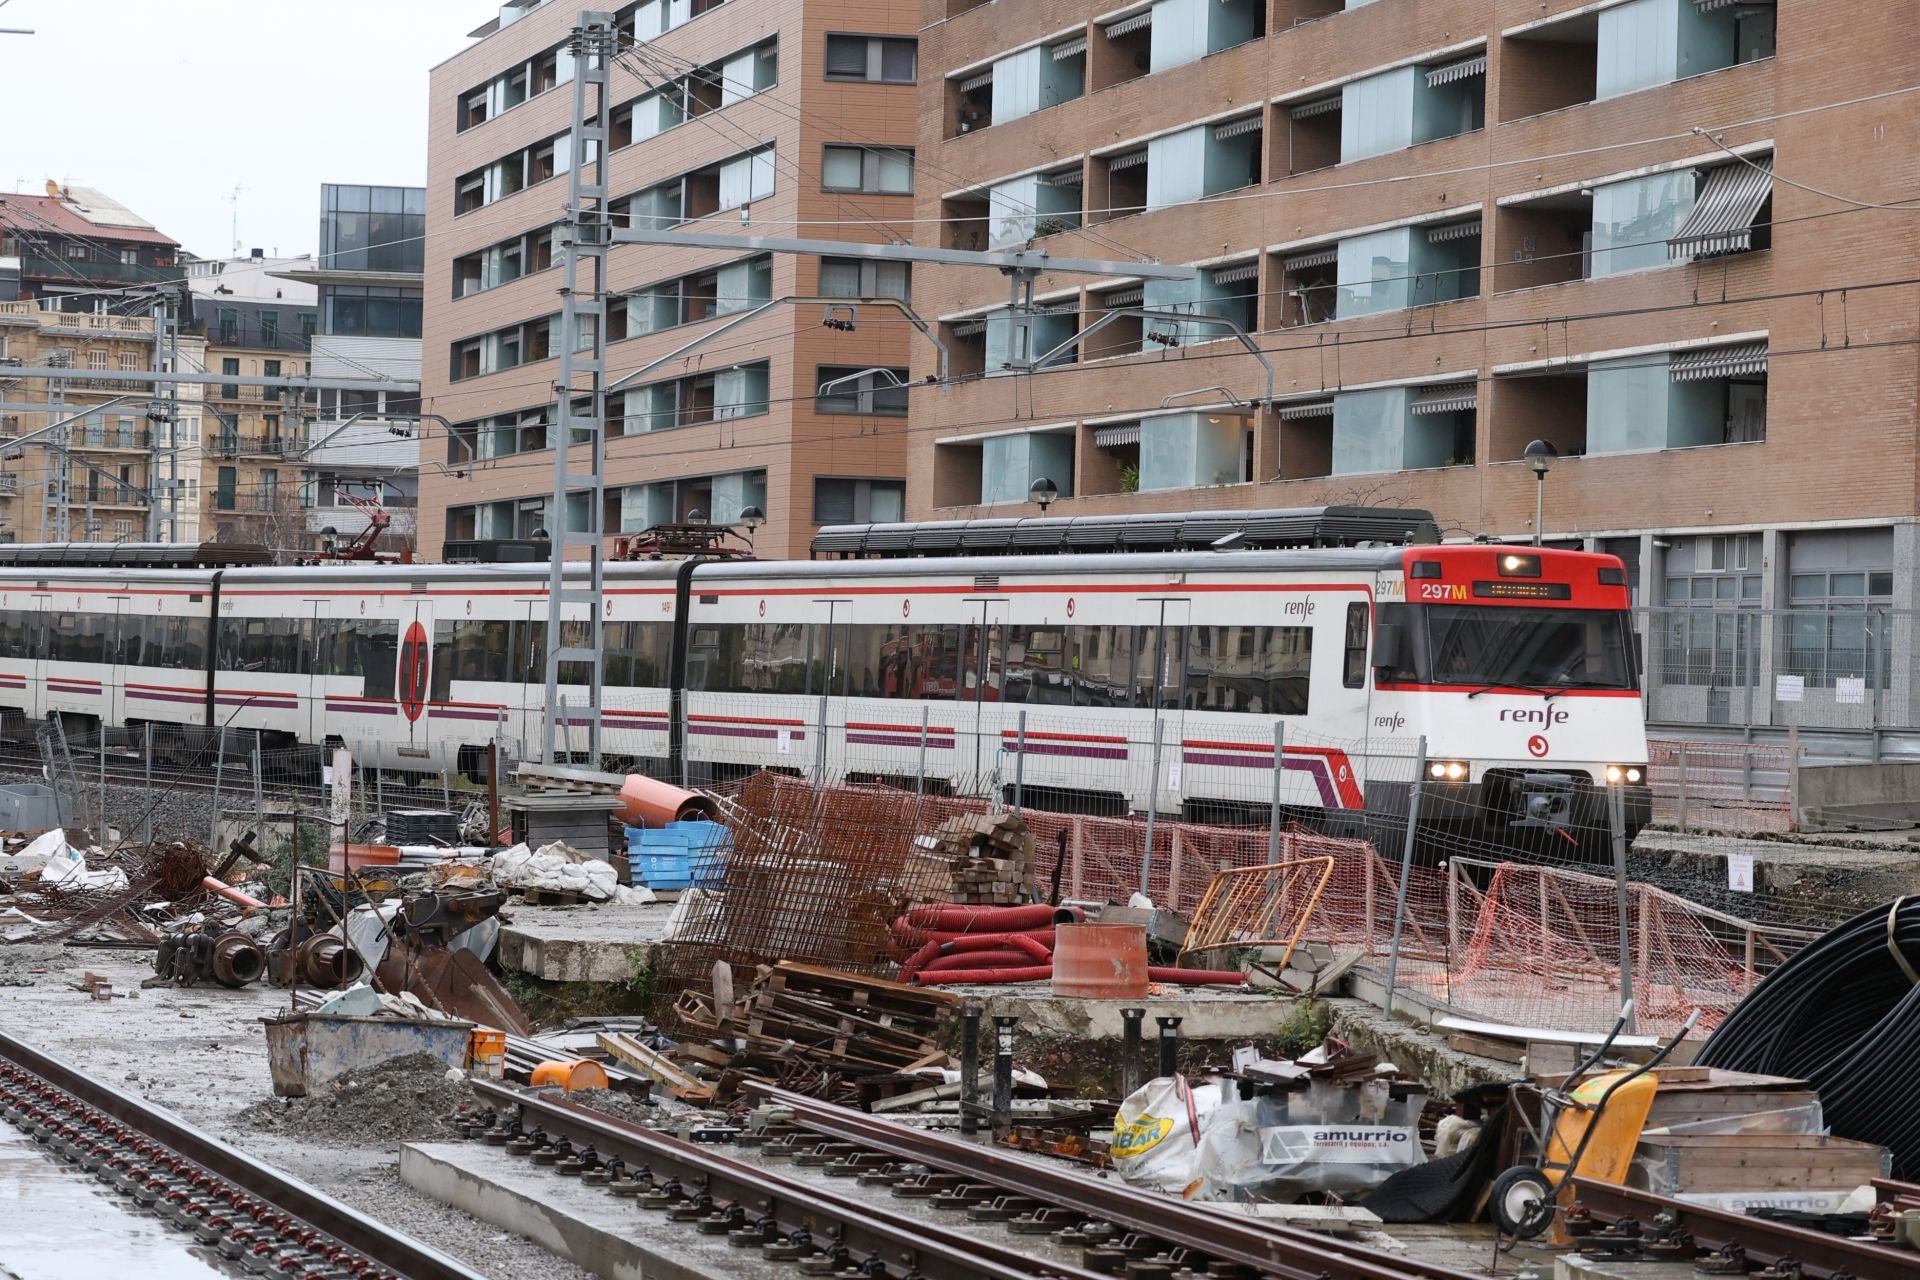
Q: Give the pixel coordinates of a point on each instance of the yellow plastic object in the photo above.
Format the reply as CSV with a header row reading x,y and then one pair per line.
x,y
579,1073
1616,1133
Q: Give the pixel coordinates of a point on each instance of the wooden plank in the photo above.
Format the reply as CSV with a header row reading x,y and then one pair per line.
x,y
1486,1047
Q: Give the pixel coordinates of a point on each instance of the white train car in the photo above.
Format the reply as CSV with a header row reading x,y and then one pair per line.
x,y
1146,679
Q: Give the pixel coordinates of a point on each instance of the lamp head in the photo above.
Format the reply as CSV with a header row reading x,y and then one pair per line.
x,y
1540,455
1043,492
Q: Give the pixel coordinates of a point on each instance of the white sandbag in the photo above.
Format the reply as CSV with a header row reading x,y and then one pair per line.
x,y
1157,1132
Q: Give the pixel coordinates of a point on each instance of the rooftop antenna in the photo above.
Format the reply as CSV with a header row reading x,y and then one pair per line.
x,y
233,200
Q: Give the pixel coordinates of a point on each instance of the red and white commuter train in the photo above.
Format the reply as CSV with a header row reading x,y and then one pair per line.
x,y
1517,665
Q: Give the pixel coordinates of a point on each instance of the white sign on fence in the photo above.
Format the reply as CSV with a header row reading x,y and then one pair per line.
x,y
1851,689
1740,872
1790,688
785,740
341,780
1173,776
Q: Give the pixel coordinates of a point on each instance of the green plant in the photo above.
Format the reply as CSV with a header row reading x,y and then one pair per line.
x,y
1129,476
1306,1026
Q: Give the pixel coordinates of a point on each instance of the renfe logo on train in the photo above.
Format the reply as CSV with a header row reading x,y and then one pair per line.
x,y
1548,716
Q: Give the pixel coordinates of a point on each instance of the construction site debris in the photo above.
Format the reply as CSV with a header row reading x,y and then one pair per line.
x,y
556,867
405,1099
813,1030
988,858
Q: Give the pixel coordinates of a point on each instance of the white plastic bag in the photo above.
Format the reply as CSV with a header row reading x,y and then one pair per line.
x,y
1157,1131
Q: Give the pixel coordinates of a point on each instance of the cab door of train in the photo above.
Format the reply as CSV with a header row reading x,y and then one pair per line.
x,y
413,678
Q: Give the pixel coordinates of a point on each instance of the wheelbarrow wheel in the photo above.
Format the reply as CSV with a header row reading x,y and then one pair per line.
x,y
1522,1201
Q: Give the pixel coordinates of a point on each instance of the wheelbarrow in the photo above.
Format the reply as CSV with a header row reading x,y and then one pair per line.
x,y
1590,1129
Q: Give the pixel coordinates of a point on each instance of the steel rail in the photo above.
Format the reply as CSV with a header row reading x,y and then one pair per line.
x,y
908,1246
1263,1246
1764,1241
269,1212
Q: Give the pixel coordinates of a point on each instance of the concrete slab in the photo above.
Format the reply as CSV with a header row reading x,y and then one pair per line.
x,y
604,943
614,1239
1414,1048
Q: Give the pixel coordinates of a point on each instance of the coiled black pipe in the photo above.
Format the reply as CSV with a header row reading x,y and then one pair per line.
x,y
1844,1014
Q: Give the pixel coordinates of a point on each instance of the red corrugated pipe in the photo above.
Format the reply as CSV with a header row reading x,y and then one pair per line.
x,y
1021,946
985,977
976,960
956,918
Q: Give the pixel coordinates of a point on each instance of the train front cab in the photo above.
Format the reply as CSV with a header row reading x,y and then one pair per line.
x,y
1519,666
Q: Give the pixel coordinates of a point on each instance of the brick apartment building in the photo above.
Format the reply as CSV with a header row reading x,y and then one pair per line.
x,y
1641,230
791,116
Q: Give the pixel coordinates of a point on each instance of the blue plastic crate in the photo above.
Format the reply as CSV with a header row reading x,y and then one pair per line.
x,y
679,855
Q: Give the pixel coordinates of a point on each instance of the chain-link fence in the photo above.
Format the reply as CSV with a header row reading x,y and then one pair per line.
x,y
1833,667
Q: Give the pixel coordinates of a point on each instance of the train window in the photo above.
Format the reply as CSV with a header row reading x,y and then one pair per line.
x,y
573,635
366,649
20,633
482,651
1353,671
637,654
1157,666
175,643
864,658
915,661
277,646
1036,667
1102,666
80,637
1258,670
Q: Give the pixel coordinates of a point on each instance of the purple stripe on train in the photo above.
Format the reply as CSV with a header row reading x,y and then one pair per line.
x,y
897,740
747,731
1077,750
1311,765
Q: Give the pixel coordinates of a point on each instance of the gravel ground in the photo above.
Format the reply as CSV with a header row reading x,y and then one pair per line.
x,y
409,1099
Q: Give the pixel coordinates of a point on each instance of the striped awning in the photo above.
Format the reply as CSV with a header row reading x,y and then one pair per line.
x,y
1118,433
1127,160
1454,231
1318,107
1071,49
1071,178
1448,397
1236,272
969,328
1312,258
1719,362
1125,297
1708,6
1723,213
1461,70
1234,128
1128,25
980,81
1306,409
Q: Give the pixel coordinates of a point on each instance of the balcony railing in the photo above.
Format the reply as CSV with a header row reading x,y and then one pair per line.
x,y
40,268
111,495
245,446
123,441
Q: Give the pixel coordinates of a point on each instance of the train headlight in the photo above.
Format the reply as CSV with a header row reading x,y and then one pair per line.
x,y
1624,773
1447,770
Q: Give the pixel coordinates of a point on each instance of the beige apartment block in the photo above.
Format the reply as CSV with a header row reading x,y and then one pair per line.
x,y
781,117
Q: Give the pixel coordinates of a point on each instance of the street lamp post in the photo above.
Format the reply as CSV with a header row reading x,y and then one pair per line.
x,y
1540,455
1044,493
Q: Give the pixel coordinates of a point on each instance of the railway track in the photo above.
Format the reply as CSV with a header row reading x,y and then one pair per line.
x,y
249,1212
1118,1231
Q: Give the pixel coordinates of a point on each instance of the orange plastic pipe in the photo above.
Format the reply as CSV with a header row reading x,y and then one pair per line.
x,y
649,802
230,893
577,1073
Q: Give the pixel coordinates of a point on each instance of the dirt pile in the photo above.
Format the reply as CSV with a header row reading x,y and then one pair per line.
x,y
403,1100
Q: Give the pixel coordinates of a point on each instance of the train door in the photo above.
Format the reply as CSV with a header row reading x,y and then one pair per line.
x,y
413,676
126,635
982,681
831,645
1160,667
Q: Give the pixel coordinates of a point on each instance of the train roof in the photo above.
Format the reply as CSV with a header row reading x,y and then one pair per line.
x,y
1271,529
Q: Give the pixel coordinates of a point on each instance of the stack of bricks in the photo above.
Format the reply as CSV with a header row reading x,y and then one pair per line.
x,y
990,859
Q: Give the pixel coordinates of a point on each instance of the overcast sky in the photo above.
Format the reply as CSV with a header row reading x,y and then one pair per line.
x,y
168,105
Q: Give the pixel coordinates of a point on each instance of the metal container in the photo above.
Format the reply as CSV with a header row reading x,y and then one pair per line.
x,y
306,1050
28,806
1100,961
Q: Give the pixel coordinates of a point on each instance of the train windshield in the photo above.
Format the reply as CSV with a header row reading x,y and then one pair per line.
x,y
1537,648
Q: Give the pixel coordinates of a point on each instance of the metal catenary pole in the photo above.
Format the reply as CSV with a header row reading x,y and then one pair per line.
x,y
1406,869
1617,828
580,415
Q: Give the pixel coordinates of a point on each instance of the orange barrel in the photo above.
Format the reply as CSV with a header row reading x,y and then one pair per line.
x,y
649,802
577,1073
487,1053
1100,961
